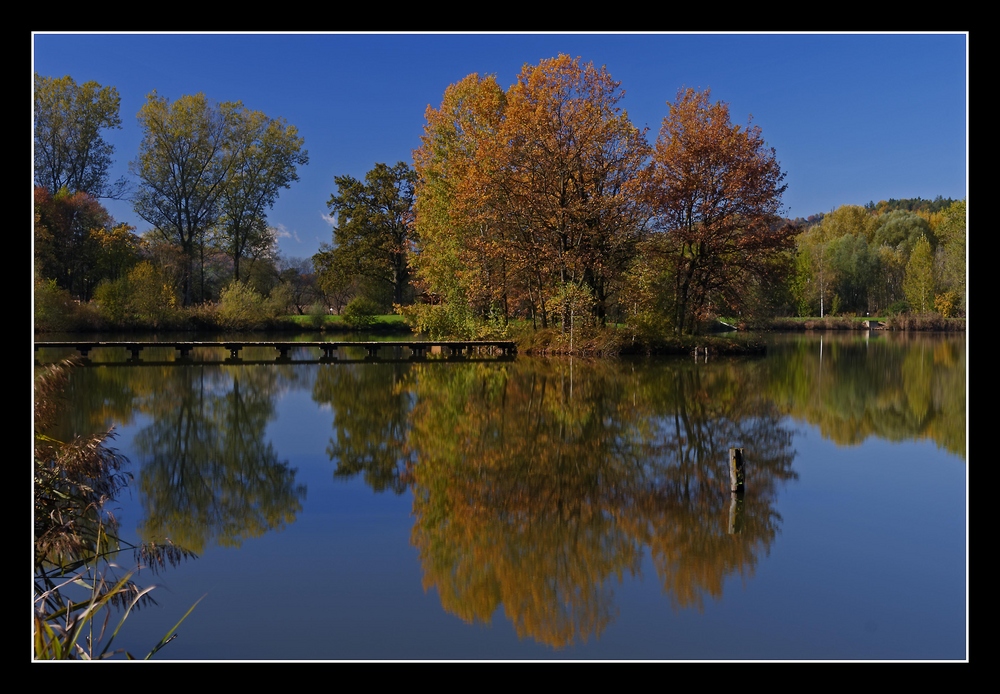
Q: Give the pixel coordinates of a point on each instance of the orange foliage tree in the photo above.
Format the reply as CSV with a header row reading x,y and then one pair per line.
x,y
716,195
542,183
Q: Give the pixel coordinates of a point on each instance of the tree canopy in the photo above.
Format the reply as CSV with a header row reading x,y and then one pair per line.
x,y
70,150
716,194
205,166
373,232
77,243
266,153
539,184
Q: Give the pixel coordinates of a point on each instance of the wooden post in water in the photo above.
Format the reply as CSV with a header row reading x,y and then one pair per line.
x,y
736,475
736,488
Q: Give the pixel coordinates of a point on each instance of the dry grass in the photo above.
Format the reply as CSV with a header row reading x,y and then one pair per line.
x,y
75,538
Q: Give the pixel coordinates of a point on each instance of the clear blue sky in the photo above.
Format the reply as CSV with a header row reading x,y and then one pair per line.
x,y
853,117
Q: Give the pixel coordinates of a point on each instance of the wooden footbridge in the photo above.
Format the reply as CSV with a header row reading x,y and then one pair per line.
x,y
415,350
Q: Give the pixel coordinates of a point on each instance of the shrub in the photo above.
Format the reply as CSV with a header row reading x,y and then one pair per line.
x,y
360,312
947,304
240,307
897,308
145,298
55,309
279,301
317,315
113,299
154,301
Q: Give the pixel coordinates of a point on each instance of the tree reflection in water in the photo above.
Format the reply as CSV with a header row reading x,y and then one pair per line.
x,y
208,474
539,484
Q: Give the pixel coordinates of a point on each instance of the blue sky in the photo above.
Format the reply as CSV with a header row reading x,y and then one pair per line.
x,y
853,117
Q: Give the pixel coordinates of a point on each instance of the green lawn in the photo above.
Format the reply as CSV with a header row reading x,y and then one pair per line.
x,y
306,321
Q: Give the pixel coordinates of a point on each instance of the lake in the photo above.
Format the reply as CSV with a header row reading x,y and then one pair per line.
x,y
550,509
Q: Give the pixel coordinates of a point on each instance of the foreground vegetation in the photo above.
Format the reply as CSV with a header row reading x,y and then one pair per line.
x,y
80,590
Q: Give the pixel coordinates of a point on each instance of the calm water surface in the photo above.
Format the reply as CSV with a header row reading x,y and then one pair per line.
x,y
550,509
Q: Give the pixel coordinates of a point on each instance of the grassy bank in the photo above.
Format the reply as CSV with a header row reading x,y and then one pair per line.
x,y
930,322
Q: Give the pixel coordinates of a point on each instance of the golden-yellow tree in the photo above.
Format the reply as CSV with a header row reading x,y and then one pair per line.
x,y
454,263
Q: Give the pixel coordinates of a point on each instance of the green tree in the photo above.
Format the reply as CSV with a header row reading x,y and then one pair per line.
x,y
856,267
825,265
183,166
716,195
297,275
70,150
374,229
888,288
919,281
901,229
265,155
950,258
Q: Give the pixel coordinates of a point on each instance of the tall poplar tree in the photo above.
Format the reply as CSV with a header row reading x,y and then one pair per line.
x,y
918,284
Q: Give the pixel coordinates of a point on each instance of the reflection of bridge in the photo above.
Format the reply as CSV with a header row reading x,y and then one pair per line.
x,y
331,351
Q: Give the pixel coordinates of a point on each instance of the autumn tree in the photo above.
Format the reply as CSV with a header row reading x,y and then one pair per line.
x,y
70,150
716,194
374,230
455,265
77,243
950,259
562,178
542,181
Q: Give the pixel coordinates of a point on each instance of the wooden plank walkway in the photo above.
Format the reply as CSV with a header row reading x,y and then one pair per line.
x,y
331,351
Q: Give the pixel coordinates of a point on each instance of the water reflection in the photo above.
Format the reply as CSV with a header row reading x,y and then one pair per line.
x,y
896,387
207,474
538,486
371,410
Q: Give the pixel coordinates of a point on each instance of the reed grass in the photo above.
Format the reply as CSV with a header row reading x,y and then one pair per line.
x,y
78,585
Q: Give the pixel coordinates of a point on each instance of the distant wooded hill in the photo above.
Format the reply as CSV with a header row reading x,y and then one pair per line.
x,y
882,206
